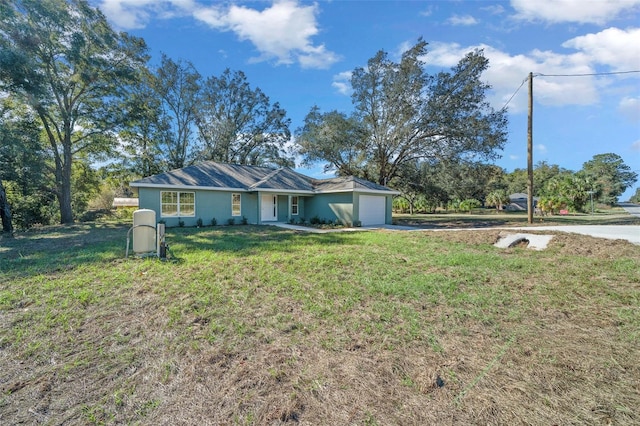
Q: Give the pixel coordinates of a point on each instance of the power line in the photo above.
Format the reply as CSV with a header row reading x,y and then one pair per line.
x,y
565,75
587,74
514,94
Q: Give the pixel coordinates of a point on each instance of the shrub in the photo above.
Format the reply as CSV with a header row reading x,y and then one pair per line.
x,y
469,204
292,221
231,221
181,223
314,220
125,213
302,221
214,222
199,223
244,220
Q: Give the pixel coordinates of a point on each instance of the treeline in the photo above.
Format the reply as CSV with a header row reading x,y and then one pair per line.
x,y
459,186
76,93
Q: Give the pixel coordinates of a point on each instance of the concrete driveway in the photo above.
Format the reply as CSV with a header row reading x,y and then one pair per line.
x,y
632,209
630,233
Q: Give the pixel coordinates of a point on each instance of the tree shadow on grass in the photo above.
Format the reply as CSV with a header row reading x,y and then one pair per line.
x,y
486,221
248,239
50,249
458,222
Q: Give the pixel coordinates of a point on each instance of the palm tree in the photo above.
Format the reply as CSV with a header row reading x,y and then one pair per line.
x,y
497,198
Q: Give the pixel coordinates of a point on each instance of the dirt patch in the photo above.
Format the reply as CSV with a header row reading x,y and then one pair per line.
x,y
471,237
583,245
570,244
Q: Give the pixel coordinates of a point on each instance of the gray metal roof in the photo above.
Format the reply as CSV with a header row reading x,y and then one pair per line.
x,y
347,183
210,175
284,179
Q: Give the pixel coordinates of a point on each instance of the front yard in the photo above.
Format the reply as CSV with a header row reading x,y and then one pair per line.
x,y
259,325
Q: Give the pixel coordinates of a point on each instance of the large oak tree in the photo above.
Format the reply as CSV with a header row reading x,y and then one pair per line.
x,y
405,116
176,85
610,176
238,124
64,60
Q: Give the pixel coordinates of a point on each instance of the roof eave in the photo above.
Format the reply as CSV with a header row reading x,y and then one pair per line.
x,y
361,190
189,187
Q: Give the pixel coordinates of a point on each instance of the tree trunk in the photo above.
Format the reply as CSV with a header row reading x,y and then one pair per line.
x,y
64,199
64,191
5,213
63,165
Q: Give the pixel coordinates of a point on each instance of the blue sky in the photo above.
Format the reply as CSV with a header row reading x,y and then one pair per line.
x,y
301,53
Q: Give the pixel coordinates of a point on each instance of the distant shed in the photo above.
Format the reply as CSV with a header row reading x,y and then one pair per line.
x,y
125,202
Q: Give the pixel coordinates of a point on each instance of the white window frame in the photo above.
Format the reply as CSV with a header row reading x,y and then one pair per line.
x,y
178,204
295,205
235,212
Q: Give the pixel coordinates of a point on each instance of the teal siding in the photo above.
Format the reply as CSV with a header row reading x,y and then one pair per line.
x,y
217,204
209,205
284,209
342,207
389,210
301,204
332,207
149,198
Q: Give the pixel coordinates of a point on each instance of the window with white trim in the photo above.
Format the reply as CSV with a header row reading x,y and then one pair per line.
x,y
294,205
236,207
177,204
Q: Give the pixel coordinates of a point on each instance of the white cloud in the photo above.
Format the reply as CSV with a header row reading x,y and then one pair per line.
x,y
342,83
580,11
131,14
427,12
507,72
282,32
126,13
635,146
540,148
494,9
616,48
466,20
630,108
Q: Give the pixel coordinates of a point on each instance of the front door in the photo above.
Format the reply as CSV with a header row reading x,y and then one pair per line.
x,y
269,209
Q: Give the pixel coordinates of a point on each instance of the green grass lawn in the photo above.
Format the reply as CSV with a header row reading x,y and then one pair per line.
x,y
260,325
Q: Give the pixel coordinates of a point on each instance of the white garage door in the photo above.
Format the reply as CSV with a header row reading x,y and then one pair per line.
x,y
372,210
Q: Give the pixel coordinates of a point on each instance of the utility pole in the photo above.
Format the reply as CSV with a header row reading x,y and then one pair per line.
x,y
530,153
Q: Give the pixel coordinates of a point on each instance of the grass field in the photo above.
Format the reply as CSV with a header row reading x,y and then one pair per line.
x,y
259,326
488,218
